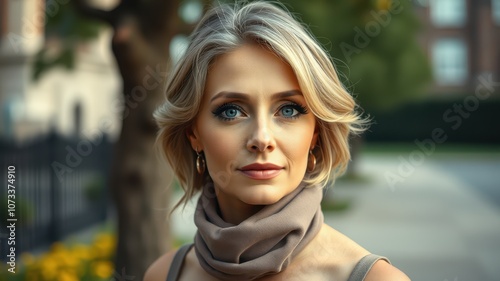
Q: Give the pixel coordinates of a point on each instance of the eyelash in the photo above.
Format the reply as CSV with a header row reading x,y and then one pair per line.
x,y
219,111
300,109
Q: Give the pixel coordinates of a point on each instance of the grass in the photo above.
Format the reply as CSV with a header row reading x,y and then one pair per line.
x,y
335,205
354,178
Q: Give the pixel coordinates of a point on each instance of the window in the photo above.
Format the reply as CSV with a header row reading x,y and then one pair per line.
x,y
495,9
448,13
450,61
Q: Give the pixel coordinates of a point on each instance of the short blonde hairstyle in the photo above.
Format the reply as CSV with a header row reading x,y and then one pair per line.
x,y
227,27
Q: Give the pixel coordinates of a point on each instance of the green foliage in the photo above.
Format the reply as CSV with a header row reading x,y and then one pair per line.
x,y
67,23
23,209
374,46
95,188
65,28
42,62
331,205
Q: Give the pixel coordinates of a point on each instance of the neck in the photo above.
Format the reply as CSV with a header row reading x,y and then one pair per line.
x,y
266,237
236,212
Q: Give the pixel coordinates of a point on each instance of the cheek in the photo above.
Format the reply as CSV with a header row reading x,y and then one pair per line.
x,y
296,142
297,149
220,148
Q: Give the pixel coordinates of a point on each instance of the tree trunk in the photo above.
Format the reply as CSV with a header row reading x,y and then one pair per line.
x,y
139,178
139,188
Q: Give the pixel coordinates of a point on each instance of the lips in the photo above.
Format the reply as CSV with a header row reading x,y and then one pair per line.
x,y
259,171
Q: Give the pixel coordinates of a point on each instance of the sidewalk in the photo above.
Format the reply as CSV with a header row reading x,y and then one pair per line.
x,y
433,226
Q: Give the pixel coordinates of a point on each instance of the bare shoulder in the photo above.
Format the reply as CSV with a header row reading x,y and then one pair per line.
x,y
349,253
158,270
383,271
343,247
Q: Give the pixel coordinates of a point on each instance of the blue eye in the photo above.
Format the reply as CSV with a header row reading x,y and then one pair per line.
x,y
292,110
288,111
228,112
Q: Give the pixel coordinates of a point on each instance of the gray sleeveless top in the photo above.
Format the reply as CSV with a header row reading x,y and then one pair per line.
x,y
358,273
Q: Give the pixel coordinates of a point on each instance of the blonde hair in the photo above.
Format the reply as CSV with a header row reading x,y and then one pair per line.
x,y
227,27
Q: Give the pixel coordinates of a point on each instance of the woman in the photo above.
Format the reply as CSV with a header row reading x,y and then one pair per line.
x,y
256,119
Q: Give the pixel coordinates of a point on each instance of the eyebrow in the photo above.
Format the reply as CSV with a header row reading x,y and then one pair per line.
x,y
245,97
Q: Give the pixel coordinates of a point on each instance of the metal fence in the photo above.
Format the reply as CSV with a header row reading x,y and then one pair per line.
x,y
60,187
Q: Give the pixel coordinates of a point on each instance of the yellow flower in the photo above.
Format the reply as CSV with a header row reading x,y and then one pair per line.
x,y
49,267
104,246
102,269
82,252
67,276
28,259
70,261
384,4
57,247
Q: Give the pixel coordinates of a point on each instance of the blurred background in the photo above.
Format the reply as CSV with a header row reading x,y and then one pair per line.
x,y
80,79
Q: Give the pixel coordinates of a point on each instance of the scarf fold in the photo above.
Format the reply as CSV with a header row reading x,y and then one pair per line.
x,y
263,244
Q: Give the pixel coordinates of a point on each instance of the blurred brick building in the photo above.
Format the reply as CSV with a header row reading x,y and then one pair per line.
x,y
461,38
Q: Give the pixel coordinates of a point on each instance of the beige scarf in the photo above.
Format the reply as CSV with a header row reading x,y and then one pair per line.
x,y
263,244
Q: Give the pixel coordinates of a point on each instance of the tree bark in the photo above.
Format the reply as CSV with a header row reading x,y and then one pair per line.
x,y
139,179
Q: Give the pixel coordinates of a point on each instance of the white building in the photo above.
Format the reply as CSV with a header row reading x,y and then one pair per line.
x,y
77,101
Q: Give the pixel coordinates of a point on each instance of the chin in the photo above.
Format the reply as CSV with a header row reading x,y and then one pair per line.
x,y
261,201
267,196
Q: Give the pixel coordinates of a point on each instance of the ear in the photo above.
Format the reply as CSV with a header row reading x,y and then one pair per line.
x,y
194,139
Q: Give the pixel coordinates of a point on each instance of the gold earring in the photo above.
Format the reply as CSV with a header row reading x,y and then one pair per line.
x,y
200,163
311,161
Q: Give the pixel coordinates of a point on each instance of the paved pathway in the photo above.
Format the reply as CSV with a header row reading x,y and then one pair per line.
x,y
440,222
436,225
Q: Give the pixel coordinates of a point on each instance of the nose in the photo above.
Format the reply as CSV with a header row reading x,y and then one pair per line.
x,y
261,138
